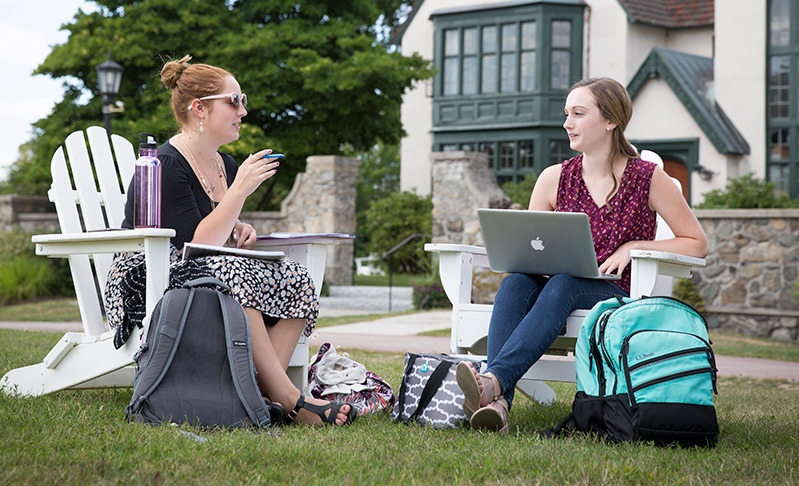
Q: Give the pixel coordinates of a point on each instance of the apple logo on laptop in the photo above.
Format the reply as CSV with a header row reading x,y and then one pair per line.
x,y
537,244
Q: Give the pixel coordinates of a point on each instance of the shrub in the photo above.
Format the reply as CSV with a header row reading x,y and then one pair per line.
x,y
392,219
16,243
686,291
746,192
24,275
520,192
429,296
25,278
378,176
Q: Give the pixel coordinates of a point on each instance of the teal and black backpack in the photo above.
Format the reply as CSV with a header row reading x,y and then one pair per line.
x,y
645,371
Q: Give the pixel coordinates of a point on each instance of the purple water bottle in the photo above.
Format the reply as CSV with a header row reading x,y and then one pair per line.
x,y
147,208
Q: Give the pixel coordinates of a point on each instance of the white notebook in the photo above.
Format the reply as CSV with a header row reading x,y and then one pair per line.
x,y
299,236
196,250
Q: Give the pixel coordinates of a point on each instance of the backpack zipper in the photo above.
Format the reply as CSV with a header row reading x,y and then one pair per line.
x,y
602,348
674,354
625,347
662,379
596,353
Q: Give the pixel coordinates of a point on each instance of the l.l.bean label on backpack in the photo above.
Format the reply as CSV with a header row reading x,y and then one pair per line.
x,y
642,357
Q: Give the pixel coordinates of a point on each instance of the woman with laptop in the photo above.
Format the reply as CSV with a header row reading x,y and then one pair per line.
x,y
621,195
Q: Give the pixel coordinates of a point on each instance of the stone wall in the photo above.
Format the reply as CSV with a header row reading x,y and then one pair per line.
x,y
750,279
322,200
30,213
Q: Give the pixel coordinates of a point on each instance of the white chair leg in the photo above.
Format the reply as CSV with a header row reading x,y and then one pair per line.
x,y
538,391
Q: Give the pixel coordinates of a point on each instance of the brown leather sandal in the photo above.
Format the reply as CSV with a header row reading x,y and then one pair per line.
x,y
492,417
474,398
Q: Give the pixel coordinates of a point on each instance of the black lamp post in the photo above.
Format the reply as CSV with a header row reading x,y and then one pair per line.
x,y
109,77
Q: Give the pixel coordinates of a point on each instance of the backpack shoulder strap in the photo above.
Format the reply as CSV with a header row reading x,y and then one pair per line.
x,y
169,328
239,352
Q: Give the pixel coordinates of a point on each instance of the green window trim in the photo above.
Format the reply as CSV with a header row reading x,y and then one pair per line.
x,y
524,150
782,96
503,73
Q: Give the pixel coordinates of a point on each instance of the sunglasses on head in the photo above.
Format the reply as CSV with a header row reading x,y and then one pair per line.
x,y
234,99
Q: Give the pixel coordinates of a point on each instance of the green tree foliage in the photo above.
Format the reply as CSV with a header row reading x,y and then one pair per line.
x,y
520,192
746,192
378,177
395,217
317,77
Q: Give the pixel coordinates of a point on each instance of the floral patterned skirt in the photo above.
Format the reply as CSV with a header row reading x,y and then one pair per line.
x,y
280,289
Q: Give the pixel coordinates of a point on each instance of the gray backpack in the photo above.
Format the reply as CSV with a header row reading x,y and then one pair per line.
x,y
196,365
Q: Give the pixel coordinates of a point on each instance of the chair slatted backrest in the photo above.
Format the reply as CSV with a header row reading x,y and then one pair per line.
x,y
82,207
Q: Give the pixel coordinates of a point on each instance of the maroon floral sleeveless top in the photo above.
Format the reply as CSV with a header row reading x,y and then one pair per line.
x,y
626,217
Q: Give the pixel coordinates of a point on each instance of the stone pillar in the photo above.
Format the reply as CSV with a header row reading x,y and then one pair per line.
x,y
462,183
322,200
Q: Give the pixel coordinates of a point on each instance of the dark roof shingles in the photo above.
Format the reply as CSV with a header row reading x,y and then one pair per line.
x,y
671,13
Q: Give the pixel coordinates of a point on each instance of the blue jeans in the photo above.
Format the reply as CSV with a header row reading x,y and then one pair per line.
x,y
529,313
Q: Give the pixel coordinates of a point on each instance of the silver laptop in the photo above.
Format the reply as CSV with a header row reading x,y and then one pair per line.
x,y
539,243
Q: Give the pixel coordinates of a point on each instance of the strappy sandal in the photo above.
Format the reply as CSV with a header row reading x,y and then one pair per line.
x,y
492,417
320,410
277,413
474,399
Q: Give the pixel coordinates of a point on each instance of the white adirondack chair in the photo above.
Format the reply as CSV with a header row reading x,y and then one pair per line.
x,y
652,274
88,359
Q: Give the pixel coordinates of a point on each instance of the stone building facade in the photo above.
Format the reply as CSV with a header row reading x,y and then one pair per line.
x,y
748,285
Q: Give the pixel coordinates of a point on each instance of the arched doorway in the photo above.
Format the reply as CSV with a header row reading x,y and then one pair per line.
x,y
679,171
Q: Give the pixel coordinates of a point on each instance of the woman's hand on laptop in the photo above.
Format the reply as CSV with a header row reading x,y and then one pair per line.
x,y
618,261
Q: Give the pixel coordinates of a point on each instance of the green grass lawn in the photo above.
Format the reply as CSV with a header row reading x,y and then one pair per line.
x,y
81,437
397,280
51,310
724,343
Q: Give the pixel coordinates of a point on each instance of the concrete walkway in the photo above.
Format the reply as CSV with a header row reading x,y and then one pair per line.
x,y
398,334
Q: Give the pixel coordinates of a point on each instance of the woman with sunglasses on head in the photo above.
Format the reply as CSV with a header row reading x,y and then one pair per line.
x,y
203,191
622,195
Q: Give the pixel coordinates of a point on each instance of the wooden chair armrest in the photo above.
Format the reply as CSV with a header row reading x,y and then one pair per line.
x,y
665,256
310,251
456,267
269,243
454,248
648,265
112,241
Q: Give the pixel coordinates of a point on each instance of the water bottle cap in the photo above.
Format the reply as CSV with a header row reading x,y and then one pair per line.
x,y
148,141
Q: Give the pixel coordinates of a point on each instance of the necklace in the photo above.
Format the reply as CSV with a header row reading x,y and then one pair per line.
x,y
209,188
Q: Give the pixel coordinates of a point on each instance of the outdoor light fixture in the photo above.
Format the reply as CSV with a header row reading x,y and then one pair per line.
x,y
109,77
704,173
